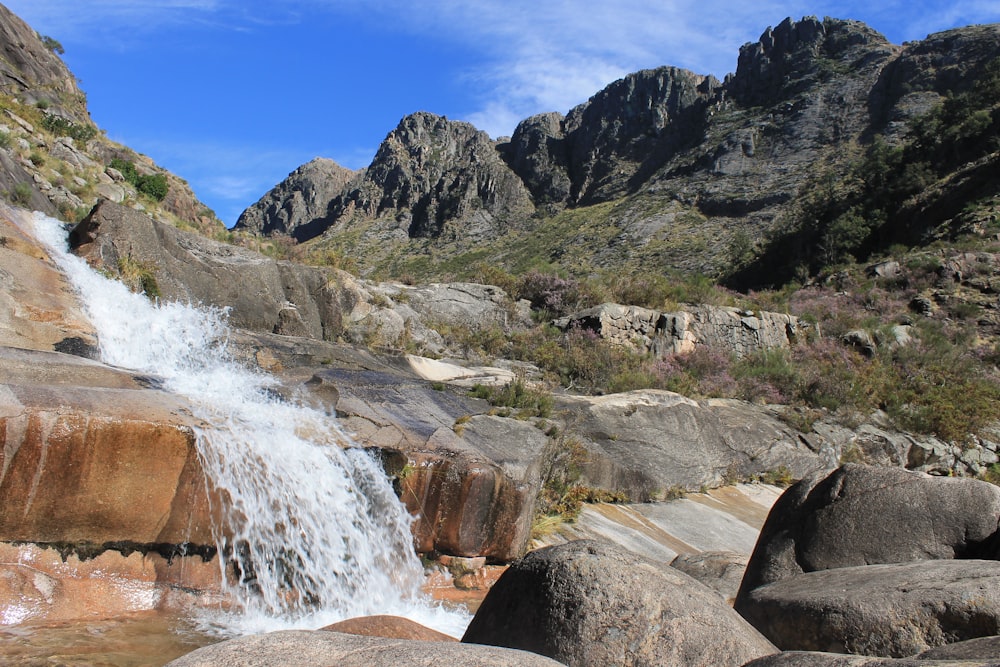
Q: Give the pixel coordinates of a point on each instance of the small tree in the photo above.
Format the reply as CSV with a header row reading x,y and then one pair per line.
x,y
52,44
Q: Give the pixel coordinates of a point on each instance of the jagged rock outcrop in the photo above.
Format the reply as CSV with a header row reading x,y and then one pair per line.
x,y
731,330
299,205
432,178
953,60
694,162
624,133
587,603
538,154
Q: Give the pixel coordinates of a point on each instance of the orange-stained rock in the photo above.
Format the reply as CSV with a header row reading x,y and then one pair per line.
x,y
466,507
392,627
96,465
37,584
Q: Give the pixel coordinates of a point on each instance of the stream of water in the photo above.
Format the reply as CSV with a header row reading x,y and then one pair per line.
x,y
314,527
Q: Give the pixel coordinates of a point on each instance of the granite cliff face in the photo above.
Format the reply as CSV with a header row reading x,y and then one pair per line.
x,y
692,165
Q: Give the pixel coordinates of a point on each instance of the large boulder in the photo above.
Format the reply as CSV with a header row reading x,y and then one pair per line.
x,y
334,649
862,515
94,457
819,659
261,294
589,603
893,610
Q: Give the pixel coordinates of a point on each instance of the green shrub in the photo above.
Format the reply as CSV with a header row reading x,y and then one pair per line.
x,y
138,276
516,394
21,195
52,44
62,127
153,185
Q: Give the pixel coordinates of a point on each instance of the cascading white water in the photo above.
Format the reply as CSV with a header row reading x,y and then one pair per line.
x,y
317,533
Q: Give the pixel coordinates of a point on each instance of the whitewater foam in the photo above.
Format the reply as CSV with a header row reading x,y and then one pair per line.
x,y
314,530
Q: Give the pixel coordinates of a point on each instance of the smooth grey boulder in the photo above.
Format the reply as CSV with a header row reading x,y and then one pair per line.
x,y
334,649
890,610
589,603
862,515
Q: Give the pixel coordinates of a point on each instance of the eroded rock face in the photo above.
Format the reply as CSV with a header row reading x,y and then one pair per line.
x,y
739,332
44,584
38,310
327,649
470,480
92,458
32,69
587,603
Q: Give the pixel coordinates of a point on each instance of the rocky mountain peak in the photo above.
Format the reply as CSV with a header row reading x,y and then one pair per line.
x,y
795,55
299,204
434,177
628,130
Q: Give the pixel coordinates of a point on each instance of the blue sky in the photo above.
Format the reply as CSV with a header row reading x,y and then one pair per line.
x,y
234,94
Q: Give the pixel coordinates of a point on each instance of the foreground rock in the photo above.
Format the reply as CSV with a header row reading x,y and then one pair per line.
x,y
816,659
879,561
390,627
587,603
892,610
862,515
333,649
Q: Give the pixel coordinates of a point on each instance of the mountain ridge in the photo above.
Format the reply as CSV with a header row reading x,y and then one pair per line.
x,y
688,169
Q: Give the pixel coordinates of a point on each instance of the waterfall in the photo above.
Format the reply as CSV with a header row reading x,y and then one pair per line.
x,y
314,530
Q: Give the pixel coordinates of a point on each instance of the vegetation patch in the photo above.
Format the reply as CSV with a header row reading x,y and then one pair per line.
x,y
153,185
